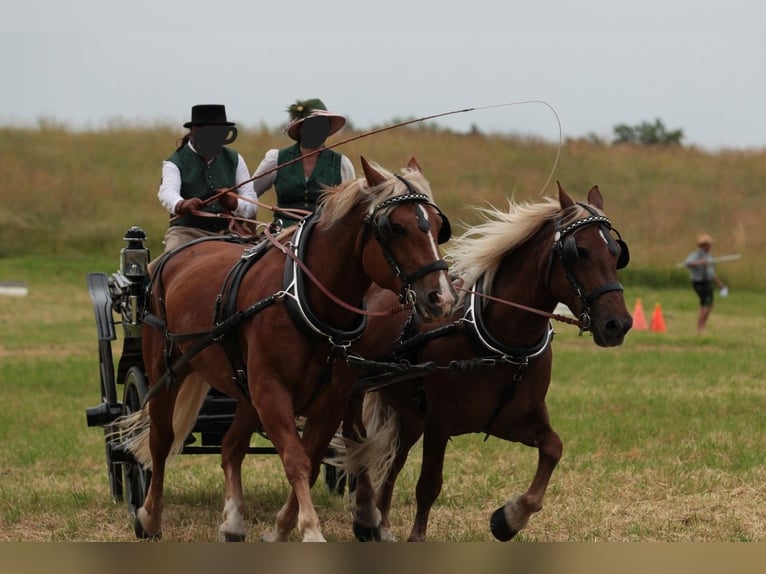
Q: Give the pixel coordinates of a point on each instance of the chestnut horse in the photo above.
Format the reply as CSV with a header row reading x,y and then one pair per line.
x,y
487,368
295,310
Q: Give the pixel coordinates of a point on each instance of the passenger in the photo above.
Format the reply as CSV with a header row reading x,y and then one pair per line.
x,y
299,184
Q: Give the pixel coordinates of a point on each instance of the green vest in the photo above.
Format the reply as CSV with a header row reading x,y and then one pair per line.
x,y
201,179
292,188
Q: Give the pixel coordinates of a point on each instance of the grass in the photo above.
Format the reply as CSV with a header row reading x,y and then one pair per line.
x,y
663,436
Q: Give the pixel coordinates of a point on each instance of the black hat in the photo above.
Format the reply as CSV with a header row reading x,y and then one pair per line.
x,y
208,114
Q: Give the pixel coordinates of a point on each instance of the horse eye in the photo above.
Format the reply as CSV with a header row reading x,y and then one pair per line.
x,y
582,253
397,229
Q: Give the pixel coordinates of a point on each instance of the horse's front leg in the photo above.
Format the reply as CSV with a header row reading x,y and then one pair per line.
x,y
233,451
317,434
514,515
275,409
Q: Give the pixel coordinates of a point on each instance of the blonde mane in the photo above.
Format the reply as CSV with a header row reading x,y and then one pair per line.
x,y
480,249
336,202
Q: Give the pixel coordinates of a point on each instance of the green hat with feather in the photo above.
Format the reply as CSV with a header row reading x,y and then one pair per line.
x,y
301,110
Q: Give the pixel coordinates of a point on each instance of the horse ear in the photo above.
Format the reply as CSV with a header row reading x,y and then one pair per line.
x,y
372,176
413,164
564,199
595,198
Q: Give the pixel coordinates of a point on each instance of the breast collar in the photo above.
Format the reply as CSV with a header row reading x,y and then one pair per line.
x,y
295,295
474,319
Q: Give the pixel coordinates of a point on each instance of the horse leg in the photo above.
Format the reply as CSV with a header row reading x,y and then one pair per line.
x,y
430,480
510,518
317,434
366,525
148,522
233,450
408,436
274,406
372,427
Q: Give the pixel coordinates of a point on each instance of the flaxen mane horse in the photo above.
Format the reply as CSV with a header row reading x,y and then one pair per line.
x,y
487,368
265,325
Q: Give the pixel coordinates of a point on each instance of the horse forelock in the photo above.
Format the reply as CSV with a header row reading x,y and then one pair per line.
x,y
338,201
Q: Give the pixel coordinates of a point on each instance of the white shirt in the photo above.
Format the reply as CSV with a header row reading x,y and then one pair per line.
x,y
262,184
170,188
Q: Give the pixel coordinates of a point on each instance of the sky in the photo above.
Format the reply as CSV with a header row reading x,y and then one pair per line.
x,y
695,66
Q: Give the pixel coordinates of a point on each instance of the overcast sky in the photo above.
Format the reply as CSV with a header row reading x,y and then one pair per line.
x,y
697,66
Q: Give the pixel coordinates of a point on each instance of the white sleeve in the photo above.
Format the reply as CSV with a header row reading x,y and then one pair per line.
x,y
170,186
262,183
245,208
346,169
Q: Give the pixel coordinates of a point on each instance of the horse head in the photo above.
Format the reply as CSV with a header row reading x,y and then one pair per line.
x,y
401,251
586,255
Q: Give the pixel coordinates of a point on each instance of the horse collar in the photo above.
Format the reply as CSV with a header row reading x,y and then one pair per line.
x,y
295,295
474,317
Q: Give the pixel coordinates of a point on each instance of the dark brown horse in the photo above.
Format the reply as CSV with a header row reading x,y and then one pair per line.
x,y
487,368
287,332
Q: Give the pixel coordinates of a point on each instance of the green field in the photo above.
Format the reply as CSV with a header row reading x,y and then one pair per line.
x,y
663,437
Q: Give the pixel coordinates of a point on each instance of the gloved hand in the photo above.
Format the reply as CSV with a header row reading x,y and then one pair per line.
x,y
188,205
229,201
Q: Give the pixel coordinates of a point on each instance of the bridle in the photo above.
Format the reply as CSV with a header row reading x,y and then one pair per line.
x,y
565,246
378,221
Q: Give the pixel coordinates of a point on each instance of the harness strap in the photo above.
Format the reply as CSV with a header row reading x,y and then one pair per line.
x,y
208,339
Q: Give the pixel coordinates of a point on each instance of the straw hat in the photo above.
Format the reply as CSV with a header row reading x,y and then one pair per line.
x,y
314,107
704,239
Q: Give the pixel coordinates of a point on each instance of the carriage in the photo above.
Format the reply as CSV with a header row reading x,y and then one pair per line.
x,y
117,300
303,297
579,273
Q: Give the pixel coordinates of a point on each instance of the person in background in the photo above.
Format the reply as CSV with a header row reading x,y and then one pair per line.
x,y
703,276
299,184
200,168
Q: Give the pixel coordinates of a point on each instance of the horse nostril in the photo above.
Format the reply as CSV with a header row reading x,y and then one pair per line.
x,y
618,326
433,297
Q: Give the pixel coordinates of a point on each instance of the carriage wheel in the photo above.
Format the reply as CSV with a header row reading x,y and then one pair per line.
x,y
114,470
136,476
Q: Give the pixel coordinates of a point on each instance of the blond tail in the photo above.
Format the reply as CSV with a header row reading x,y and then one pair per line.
x,y
133,429
377,452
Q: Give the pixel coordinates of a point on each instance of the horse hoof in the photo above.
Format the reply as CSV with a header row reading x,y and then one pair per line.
x,y
142,534
366,533
231,537
499,526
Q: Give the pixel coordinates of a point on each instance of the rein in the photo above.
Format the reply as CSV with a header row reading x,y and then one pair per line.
x,y
555,316
287,250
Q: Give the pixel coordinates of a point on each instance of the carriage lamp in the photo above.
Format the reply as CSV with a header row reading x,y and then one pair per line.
x,y
134,257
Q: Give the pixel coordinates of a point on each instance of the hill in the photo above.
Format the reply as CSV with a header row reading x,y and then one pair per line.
x,y
65,191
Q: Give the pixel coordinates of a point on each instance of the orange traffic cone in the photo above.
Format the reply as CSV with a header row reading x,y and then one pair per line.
x,y
658,322
639,321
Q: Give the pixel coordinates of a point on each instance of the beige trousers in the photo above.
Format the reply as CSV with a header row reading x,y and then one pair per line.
x,y
178,235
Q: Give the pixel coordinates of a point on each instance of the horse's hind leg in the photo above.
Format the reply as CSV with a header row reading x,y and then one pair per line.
x,y
233,451
408,436
510,518
430,481
148,522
